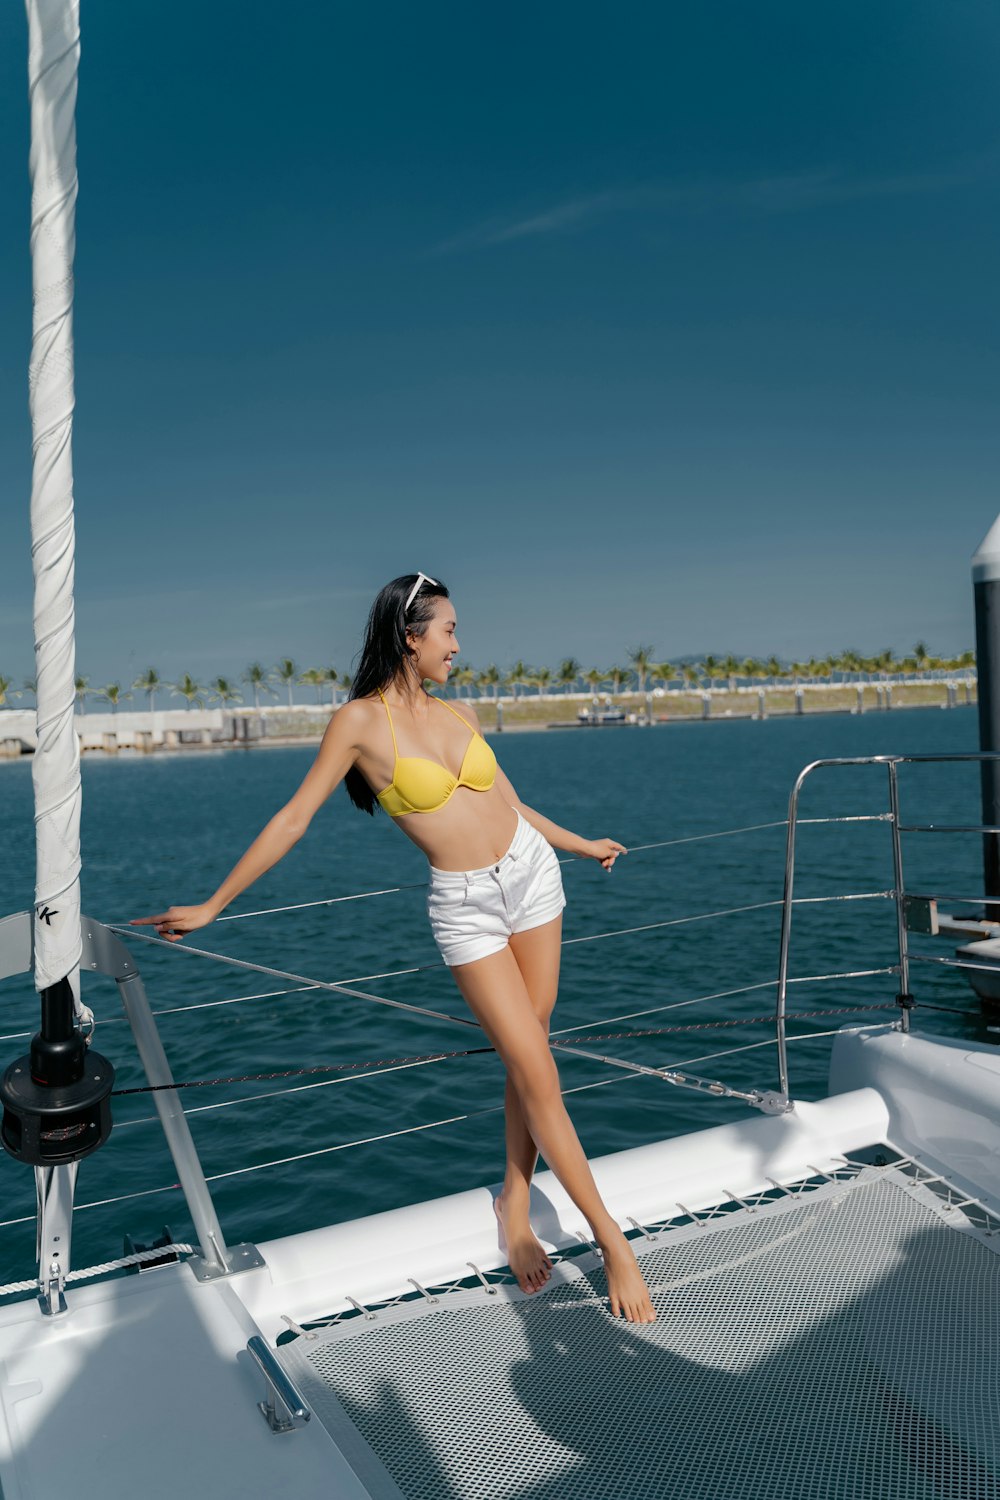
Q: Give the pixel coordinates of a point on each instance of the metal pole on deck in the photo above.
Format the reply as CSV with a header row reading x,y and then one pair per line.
x,y
986,588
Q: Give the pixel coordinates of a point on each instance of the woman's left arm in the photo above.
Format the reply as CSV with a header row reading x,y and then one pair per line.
x,y
605,851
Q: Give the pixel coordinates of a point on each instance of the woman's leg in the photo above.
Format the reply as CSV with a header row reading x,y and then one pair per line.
x,y
497,995
537,953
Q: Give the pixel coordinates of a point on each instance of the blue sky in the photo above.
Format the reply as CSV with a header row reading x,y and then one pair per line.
x,y
661,323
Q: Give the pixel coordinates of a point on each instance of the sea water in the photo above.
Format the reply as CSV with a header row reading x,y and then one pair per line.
x,y
693,917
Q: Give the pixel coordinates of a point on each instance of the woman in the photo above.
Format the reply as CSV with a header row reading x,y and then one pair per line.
x,y
495,897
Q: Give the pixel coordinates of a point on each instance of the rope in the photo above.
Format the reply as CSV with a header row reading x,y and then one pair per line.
x,y
138,1259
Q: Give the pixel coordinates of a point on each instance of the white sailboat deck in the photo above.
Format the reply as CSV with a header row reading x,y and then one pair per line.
x,y
825,1328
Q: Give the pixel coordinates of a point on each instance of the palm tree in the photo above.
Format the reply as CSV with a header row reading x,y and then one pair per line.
x,y
286,672
330,676
225,692
490,678
30,686
464,678
886,662
640,659
345,681
82,686
518,676
731,667
5,686
663,671
774,669
149,682
543,680
113,694
712,668
922,656
594,678
259,679
691,673
849,662
569,671
189,690
315,677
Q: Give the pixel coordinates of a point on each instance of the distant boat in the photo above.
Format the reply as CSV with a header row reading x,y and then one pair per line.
x,y
606,715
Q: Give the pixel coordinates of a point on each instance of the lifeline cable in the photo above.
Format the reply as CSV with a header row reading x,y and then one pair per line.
x,y
395,1062
386,1063
601,1083
393,890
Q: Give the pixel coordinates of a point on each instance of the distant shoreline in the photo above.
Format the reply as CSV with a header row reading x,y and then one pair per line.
x,y
178,732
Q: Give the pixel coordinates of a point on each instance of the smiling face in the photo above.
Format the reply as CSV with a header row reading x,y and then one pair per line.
x,y
435,649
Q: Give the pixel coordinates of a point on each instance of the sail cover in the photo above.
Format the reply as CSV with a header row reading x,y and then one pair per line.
x,y
53,60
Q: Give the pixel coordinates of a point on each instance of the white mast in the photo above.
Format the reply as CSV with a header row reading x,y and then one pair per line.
x,y
53,61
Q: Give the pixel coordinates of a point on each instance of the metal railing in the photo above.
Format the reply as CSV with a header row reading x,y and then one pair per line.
x,y
105,953
898,894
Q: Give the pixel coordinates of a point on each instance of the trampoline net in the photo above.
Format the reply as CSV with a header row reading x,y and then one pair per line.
x,y
836,1344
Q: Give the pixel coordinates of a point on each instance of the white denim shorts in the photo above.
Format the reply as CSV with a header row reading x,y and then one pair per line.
x,y
474,912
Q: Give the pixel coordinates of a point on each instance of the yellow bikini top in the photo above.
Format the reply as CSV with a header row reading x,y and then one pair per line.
x,y
420,785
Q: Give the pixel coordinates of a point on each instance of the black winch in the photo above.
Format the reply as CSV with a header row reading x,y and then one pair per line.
x,y
57,1099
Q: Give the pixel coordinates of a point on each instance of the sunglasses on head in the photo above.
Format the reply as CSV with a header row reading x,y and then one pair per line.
x,y
421,579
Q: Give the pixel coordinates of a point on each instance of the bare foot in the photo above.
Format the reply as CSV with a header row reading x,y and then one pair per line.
x,y
525,1256
627,1291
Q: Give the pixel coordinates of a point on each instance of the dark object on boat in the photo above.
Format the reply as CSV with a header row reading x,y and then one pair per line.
x,y
166,1243
986,591
57,1099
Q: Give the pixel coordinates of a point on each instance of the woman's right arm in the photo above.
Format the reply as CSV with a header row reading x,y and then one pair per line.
x,y
335,757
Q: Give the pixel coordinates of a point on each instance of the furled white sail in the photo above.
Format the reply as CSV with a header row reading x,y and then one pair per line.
x,y
53,60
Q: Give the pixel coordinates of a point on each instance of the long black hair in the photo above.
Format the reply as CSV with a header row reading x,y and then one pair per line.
x,y
385,653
